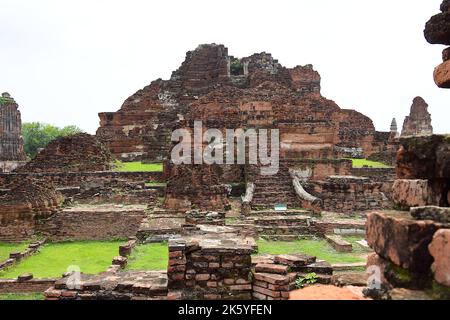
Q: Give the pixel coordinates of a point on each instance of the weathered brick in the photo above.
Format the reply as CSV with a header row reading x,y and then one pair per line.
x,y
241,287
202,277
271,268
267,292
272,278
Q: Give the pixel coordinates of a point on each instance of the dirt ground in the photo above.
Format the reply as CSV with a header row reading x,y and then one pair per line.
x,y
327,292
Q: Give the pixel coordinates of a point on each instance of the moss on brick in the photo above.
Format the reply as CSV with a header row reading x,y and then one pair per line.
x,y
439,292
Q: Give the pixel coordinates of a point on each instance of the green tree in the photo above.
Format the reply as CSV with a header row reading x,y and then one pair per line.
x,y
37,135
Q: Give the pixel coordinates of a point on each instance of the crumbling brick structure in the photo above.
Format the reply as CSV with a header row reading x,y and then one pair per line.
x,y
275,275
410,254
423,172
12,154
194,187
211,267
75,153
411,248
255,91
437,31
349,194
21,209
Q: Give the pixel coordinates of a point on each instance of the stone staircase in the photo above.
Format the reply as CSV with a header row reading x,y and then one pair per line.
x,y
274,276
273,189
282,226
160,225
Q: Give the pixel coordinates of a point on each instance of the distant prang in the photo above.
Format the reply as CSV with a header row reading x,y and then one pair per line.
x,y
419,120
12,152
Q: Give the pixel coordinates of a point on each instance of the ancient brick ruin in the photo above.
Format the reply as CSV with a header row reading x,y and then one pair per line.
x,y
255,91
437,31
12,154
213,217
423,172
411,246
419,120
210,267
75,153
27,203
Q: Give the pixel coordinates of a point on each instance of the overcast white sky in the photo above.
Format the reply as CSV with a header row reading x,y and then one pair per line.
x,y
66,60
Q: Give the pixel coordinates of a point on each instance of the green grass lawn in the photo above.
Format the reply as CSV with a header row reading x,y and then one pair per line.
x,y
359,163
21,296
54,258
152,256
7,248
138,167
319,248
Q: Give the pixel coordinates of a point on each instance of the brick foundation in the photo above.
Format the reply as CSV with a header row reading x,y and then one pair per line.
x,y
210,267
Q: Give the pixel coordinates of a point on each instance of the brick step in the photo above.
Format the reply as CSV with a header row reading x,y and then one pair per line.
x,y
338,243
283,230
277,182
271,212
274,193
263,206
319,267
269,204
274,197
283,237
272,268
278,219
272,183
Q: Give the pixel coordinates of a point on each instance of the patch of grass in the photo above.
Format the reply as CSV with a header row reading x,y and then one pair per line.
x,y
52,261
155,184
319,248
231,220
152,256
137,167
7,248
359,163
22,296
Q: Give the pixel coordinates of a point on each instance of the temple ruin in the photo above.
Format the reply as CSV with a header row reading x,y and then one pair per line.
x,y
12,154
419,120
262,94
219,225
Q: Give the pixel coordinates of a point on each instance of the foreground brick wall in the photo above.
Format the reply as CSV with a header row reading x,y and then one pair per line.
x,y
411,251
29,286
24,205
214,269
